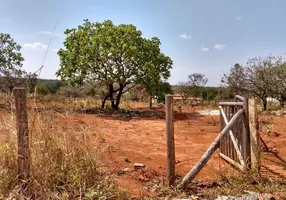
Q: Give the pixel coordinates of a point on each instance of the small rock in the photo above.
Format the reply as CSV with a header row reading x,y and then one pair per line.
x,y
193,197
268,196
138,166
142,178
125,170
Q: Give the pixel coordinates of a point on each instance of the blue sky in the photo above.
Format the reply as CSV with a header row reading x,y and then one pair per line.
x,y
206,36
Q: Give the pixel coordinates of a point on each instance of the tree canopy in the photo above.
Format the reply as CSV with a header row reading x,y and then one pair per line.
x,y
11,73
194,86
262,77
114,55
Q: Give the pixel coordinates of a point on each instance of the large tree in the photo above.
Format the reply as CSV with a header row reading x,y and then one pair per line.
x,y
194,86
11,73
259,77
115,55
158,89
279,90
235,79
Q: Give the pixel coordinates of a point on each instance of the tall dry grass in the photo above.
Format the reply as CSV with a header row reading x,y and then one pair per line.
x,y
64,164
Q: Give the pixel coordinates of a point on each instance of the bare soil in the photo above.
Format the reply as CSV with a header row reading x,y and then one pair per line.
x,y
138,136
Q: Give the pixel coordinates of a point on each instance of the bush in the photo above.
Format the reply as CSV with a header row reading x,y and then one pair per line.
x,y
42,89
69,91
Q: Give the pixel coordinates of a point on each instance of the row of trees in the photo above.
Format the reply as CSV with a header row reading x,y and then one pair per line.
x,y
116,59
262,77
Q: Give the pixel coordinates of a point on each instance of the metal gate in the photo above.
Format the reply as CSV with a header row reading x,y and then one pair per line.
x,y
235,144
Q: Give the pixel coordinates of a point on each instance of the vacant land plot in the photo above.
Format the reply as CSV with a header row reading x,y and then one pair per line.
x,y
138,136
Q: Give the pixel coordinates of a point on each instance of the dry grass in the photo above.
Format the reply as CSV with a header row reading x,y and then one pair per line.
x,y
63,163
237,185
225,185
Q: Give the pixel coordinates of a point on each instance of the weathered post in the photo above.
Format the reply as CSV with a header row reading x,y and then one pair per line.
x,y
246,137
170,140
22,136
254,135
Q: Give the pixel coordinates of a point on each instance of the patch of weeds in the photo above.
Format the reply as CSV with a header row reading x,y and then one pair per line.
x,y
64,165
81,104
126,105
237,185
266,125
160,190
266,120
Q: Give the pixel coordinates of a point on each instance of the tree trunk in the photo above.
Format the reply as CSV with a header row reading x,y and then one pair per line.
x,y
103,101
282,101
150,102
264,100
112,101
118,97
108,95
10,89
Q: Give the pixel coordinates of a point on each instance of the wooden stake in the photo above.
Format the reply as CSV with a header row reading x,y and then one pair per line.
x,y
254,135
23,137
170,140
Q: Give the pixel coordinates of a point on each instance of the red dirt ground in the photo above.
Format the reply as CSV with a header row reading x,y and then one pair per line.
x,y
126,141
142,140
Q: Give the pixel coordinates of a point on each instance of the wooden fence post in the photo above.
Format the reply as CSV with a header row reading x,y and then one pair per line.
x,y
23,137
246,137
254,135
170,140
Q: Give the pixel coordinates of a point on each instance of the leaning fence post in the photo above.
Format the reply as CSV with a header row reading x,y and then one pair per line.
x,y
170,140
22,136
254,135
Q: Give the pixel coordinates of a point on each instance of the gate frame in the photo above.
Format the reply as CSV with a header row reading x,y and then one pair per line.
x,y
243,154
252,151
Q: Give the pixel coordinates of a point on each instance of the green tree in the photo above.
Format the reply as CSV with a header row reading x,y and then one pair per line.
x,y
116,56
197,81
42,88
258,78
32,80
210,93
165,88
280,84
11,74
235,80
194,86
157,89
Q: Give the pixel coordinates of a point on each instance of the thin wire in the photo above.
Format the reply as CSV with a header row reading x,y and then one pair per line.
x,y
40,69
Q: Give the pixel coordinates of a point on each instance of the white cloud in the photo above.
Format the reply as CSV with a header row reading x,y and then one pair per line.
x,y
203,48
219,46
185,36
6,19
35,45
238,17
56,50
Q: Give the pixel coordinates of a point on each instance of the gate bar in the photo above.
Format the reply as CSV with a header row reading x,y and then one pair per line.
x,y
202,162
